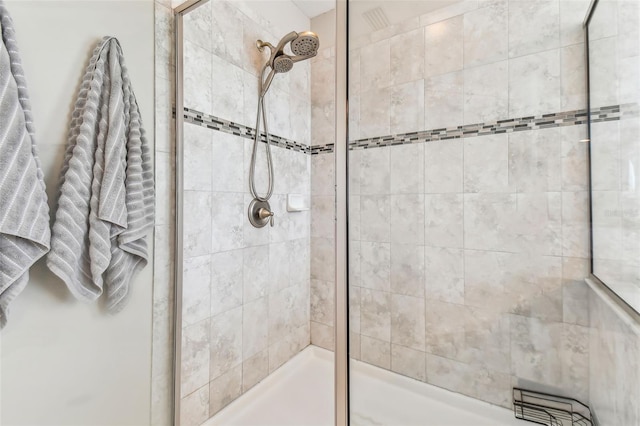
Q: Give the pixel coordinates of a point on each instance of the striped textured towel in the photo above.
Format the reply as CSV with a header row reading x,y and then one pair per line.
x,y
24,213
106,203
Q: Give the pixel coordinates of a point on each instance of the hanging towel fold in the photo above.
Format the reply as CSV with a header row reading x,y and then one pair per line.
x,y
106,203
24,213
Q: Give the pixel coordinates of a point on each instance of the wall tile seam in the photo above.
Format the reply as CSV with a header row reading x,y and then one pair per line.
x,y
211,122
504,126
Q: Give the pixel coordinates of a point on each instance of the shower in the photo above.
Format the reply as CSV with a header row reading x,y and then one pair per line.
x,y
302,46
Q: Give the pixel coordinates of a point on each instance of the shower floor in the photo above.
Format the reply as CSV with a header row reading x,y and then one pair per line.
x,y
300,393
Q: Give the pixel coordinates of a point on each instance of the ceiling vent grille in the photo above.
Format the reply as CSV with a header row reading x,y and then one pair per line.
x,y
376,18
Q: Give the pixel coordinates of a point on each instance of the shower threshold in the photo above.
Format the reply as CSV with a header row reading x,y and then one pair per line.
x,y
300,393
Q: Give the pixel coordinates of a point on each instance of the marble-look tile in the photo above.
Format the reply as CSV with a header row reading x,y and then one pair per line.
x,y
533,286
408,321
407,169
604,23
254,369
322,259
572,14
443,100
226,36
225,389
299,261
255,327
228,217
375,104
354,225
407,106
486,92
443,167
408,362
281,229
278,112
575,361
198,88
196,285
194,408
375,264
375,314
407,219
323,122
354,159
443,43
450,374
300,117
195,357
605,156
444,220
534,84
486,164
493,387
250,95
323,172
197,27
375,173
323,81
165,193
354,309
164,42
165,126
253,59
375,68
444,274
196,231
377,211
535,160
603,72
323,216
534,26
487,338
279,271
440,14
445,329
322,301
226,281
322,335
228,156
403,64
575,291
537,225
375,352
575,163
281,306
535,354
225,342
486,34
283,350
197,158
488,221
354,346
255,279
486,275
572,77
407,269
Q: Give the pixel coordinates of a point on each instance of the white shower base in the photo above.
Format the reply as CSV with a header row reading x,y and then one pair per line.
x,y
300,393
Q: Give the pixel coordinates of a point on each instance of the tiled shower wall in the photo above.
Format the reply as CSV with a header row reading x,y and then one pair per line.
x,y
245,290
467,255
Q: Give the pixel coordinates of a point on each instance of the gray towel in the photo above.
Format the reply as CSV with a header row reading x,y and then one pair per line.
x,y
106,203
24,213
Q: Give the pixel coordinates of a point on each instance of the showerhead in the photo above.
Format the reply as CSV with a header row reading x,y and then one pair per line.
x,y
282,64
306,44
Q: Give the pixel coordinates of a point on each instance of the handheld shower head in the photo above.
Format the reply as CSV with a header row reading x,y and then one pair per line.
x,y
306,44
282,64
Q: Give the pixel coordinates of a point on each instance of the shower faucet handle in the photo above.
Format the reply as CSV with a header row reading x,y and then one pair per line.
x,y
264,213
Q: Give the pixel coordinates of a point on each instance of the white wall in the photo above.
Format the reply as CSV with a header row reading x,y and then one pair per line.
x,y
64,362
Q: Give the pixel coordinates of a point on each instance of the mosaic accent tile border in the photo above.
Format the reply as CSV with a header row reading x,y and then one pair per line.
x,y
215,123
545,121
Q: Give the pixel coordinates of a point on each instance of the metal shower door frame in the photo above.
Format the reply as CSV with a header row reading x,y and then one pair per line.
x,y
341,353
